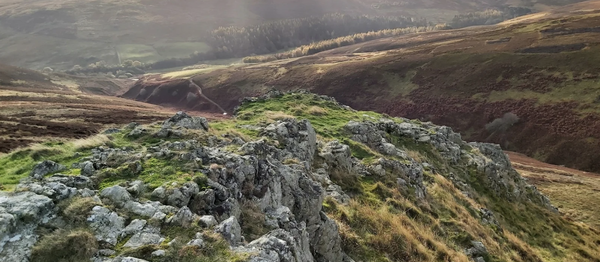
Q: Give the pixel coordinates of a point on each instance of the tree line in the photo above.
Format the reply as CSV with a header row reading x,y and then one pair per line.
x,y
488,17
324,45
233,42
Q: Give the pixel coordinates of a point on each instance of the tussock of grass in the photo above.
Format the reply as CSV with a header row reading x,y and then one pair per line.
x,y
216,249
76,210
65,246
252,221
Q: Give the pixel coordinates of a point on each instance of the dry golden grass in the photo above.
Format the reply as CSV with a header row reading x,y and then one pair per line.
x,y
316,111
572,191
90,142
573,195
277,115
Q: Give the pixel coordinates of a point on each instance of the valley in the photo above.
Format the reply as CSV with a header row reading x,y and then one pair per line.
x,y
299,131
544,71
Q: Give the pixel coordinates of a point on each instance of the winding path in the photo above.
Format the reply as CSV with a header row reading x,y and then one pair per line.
x,y
199,91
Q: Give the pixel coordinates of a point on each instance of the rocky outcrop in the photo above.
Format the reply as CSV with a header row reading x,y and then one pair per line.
x,y
489,159
282,177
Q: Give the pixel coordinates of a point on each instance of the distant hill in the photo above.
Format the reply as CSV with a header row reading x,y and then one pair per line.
x,y
530,84
64,33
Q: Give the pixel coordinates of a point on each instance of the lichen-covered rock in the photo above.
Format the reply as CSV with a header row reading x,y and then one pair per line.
x,y
280,245
46,167
337,155
502,178
207,221
79,182
145,210
137,132
278,182
117,195
20,216
298,137
230,230
148,236
326,240
181,196
107,225
134,227
202,202
183,218
197,241
137,188
88,168
128,259
477,249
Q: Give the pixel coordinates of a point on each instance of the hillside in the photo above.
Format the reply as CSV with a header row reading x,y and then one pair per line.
x,y
65,33
541,69
294,177
51,108
570,190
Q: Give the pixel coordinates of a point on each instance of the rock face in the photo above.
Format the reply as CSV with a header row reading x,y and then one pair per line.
x,y
282,178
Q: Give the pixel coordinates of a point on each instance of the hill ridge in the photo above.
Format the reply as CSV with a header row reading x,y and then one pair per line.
x,y
246,189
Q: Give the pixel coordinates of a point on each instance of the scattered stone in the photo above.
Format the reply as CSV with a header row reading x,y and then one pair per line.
x,y
111,131
230,230
134,227
184,217
88,168
137,132
46,167
107,225
144,238
477,250
207,221
106,252
181,119
158,253
117,195
128,259
197,241
136,187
